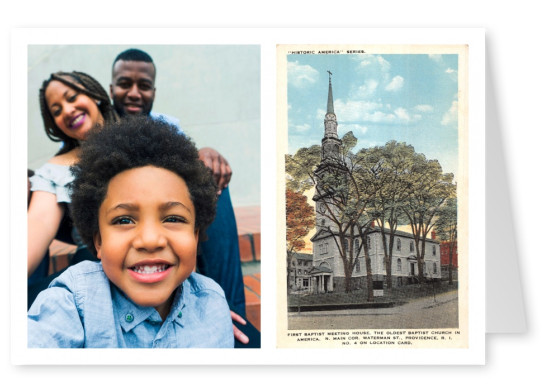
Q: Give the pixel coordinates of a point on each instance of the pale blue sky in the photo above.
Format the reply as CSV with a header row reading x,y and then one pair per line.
x,y
404,97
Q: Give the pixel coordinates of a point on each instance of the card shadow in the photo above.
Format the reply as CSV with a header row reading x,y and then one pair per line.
x,y
505,311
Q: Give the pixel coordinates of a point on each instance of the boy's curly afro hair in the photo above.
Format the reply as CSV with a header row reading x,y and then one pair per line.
x,y
136,141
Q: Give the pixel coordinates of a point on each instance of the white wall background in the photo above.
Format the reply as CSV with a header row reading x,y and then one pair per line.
x,y
517,78
213,89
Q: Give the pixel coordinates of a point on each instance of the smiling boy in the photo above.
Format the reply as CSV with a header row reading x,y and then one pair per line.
x,y
132,90
147,238
143,205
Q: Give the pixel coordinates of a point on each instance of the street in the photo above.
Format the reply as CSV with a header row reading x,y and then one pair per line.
x,y
440,311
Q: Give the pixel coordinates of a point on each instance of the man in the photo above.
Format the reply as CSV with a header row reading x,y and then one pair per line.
x,y
133,93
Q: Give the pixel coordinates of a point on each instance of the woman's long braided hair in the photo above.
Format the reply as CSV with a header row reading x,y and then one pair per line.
x,y
85,84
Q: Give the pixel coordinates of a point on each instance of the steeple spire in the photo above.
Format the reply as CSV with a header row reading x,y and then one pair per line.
x,y
330,143
330,96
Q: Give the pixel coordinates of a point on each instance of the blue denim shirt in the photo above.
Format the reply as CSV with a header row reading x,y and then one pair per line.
x,y
82,309
167,118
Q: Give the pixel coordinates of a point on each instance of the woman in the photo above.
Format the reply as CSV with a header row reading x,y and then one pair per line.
x,y
71,104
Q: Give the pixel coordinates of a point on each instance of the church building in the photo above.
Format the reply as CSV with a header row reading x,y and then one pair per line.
x,y
327,271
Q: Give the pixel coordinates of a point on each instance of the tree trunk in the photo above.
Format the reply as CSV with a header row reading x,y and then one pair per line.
x,y
369,277
288,272
346,265
347,279
420,272
450,265
388,265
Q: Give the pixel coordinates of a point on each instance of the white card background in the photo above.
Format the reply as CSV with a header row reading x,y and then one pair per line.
x,y
518,60
269,354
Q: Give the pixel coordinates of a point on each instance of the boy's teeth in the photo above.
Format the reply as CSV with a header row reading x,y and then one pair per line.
x,y
150,269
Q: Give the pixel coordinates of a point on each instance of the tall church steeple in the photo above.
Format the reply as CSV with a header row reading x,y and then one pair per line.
x,y
330,166
330,96
330,144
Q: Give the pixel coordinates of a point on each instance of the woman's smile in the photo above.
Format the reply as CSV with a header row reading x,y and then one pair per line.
x,y
77,121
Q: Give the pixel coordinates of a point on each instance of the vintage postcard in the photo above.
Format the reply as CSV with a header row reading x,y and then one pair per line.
x,y
376,188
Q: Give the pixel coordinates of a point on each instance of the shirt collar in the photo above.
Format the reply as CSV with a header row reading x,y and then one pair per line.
x,y
130,314
176,313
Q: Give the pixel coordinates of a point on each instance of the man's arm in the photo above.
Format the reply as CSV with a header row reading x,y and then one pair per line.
x,y
218,165
210,157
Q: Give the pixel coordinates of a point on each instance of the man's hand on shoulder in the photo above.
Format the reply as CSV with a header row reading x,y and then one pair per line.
x,y
218,165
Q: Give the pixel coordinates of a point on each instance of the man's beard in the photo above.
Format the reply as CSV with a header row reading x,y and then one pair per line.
x,y
119,108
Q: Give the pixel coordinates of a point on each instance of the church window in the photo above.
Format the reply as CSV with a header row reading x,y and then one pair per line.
x,y
411,246
434,268
357,245
358,267
345,245
433,249
398,244
399,265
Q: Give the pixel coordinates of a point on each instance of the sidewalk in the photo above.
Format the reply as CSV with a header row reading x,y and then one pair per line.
x,y
413,305
440,311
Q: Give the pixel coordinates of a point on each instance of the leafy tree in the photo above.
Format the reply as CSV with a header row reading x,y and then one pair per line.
x,y
389,185
300,220
300,166
387,168
446,227
428,189
345,195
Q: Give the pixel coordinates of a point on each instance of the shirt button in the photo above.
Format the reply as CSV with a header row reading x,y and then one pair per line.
x,y
129,318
